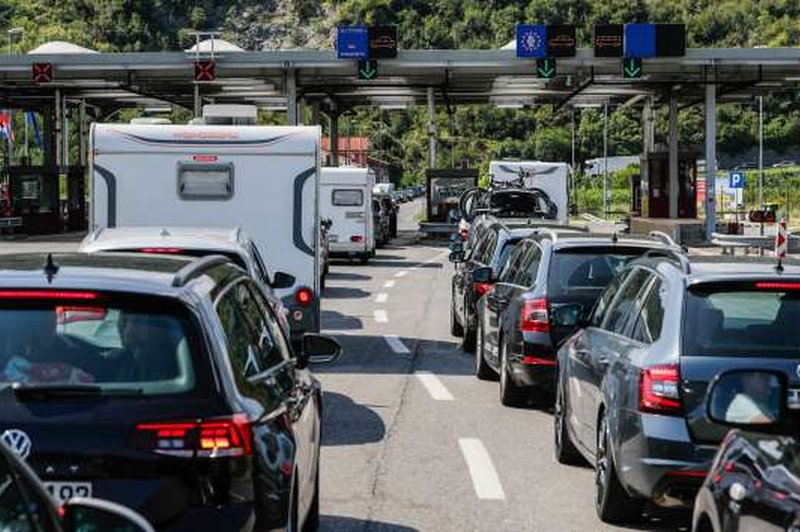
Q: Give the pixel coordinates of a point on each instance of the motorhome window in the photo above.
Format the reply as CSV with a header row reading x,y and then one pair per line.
x,y
205,181
348,197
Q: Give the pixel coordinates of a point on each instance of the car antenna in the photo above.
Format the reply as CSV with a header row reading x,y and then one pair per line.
x,y
50,268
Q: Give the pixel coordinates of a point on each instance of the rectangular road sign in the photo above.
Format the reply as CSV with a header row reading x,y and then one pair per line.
x,y
560,40
352,42
546,68
608,40
640,40
42,72
382,42
367,69
736,180
532,40
631,68
670,40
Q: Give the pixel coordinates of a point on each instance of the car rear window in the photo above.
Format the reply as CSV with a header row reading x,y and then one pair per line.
x,y
742,320
588,270
141,346
517,204
347,197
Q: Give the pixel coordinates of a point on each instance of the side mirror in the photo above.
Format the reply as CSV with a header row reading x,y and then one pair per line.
x,y
319,349
748,398
81,513
456,257
483,275
282,280
568,315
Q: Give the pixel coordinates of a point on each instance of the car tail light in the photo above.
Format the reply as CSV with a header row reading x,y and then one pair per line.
x,y
659,389
212,438
777,286
162,251
482,288
304,296
47,294
535,316
538,361
356,238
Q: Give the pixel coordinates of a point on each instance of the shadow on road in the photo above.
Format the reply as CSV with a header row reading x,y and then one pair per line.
x,y
349,423
341,292
347,276
336,321
349,524
404,264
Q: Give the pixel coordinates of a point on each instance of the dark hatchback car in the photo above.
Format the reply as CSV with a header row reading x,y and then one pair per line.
x,y
162,383
754,482
489,251
632,384
548,283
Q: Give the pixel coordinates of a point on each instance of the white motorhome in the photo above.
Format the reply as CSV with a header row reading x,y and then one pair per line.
x,y
550,178
263,179
346,200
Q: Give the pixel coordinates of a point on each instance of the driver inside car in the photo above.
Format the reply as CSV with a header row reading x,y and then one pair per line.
x,y
751,405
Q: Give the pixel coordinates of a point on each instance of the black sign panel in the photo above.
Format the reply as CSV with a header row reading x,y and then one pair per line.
x,y
42,72
670,40
560,40
608,40
367,69
632,68
205,71
546,68
382,42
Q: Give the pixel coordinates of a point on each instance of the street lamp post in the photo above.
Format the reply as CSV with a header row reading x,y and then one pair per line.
x,y
11,33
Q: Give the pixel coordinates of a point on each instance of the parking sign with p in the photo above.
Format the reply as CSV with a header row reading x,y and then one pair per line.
x,y
736,180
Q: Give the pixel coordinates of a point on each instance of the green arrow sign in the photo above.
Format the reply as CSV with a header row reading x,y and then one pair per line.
x,y
367,69
631,68
546,68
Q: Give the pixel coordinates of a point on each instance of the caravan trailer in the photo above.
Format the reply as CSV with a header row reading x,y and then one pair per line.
x,y
346,200
551,179
262,179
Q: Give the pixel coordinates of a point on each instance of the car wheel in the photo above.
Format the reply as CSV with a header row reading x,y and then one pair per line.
x,y
612,502
510,393
470,335
455,328
482,370
566,453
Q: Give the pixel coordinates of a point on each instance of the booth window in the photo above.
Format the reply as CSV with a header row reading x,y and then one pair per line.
x,y
205,182
348,197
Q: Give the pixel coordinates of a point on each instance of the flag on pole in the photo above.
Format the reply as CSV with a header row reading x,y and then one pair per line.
x,y
5,125
30,116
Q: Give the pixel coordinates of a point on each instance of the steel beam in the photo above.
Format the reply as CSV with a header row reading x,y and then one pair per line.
x,y
711,160
674,188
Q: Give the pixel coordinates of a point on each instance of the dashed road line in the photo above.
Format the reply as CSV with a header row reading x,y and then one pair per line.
x,y
381,297
381,316
401,273
435,387
389,284
396,344
484,476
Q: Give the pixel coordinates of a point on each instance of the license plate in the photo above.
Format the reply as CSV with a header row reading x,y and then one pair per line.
x,y
793,399
61,491
333,238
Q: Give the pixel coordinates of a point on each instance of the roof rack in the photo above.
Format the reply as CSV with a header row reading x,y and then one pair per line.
x,y
664,237
547,231
96,234
671,253
196,268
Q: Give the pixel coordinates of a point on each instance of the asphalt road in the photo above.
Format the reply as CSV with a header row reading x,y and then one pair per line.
x,y
412,441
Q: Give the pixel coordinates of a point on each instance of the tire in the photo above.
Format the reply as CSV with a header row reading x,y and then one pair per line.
x,y
364,259
482,370
322,283
455,328
510,393
612,502
566,453
470,336
311,523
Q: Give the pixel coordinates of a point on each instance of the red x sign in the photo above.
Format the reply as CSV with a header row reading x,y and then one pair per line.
x,y
205,71
42,72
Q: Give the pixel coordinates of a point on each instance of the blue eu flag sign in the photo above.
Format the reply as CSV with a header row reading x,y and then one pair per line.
x,y
532,40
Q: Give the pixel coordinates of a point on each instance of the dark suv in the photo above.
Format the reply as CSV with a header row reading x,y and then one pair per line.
x,y
162,383
546,286
632,384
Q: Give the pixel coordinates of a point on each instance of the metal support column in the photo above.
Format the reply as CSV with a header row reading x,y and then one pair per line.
x,y
711,159
673,157
198,103
649,125
59,124
333,137
291,98
83,147
431,129
605,162
760,152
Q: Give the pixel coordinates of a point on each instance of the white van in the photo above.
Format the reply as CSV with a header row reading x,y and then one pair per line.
x,y
263,179
346,200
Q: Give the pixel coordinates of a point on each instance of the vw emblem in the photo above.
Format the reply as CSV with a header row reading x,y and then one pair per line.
x,y
17,441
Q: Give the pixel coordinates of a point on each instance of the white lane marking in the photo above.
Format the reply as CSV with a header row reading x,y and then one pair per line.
x,y
401,273
481,469
381,316
434,386
396,344
381,297
389,284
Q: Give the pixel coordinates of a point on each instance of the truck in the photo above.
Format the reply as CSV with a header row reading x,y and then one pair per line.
x,y
346,200
550,179
264,179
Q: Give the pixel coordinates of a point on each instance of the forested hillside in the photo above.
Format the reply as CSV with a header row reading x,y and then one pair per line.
x,y
475,133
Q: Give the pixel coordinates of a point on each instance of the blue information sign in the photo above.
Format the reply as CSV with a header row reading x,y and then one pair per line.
x,y
736,180
532,40
352,42
640,40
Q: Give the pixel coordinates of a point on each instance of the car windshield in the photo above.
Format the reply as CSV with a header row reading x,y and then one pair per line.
x,y
140,348
731,320
588,270
518,204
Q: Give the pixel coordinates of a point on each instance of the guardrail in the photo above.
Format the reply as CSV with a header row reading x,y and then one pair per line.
x,y
729,243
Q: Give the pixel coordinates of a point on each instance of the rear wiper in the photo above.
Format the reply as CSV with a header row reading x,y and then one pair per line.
x,y
35,392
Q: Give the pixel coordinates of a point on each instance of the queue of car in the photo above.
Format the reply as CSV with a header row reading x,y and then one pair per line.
x,y
649,357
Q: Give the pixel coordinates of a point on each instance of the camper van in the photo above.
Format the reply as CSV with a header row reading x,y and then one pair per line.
x,y
550,179
346,200
262,179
